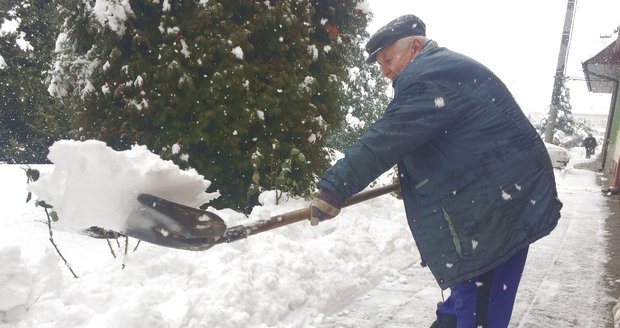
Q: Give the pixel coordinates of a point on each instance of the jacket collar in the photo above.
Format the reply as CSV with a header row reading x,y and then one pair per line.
x,y
428,46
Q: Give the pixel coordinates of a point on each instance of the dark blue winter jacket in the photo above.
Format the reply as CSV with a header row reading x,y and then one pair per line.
x,y
476,179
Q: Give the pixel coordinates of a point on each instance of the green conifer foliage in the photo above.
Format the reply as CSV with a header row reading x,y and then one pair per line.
x,y
566,125
242,91
365,97
30,119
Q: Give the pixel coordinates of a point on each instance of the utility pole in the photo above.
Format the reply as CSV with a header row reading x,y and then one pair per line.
x,y
559,71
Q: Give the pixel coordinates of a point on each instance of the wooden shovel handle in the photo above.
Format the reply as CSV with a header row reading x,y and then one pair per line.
x,y
243,231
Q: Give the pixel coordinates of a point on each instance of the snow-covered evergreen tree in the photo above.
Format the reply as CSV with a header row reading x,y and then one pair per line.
x,y
231,88
30,120
567,127
365,97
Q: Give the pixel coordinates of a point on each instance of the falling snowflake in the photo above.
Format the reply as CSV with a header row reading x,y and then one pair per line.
x,y
439,102
260,114
506,196
238,52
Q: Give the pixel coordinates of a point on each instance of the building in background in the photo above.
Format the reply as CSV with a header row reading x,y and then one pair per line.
x,y
602,73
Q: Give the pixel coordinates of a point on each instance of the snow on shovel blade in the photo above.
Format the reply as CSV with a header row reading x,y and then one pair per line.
x,y
165,223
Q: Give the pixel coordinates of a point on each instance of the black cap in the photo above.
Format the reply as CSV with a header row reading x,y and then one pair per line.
x,y
403,26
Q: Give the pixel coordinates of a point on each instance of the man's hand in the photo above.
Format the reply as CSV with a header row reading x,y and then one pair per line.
x,y
324,206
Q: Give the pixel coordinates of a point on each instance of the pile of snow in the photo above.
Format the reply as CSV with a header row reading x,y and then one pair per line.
x,y
93,185
293,276
15,280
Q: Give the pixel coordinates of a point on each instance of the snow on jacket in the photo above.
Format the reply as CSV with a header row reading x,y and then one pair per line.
x,y
476,179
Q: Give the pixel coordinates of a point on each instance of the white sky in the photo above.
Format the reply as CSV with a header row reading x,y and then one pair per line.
x,y
518,40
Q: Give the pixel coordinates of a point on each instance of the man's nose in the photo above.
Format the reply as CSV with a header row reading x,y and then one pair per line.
x,y
385,71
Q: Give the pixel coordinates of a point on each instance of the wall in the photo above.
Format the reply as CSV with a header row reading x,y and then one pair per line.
x,y
613,155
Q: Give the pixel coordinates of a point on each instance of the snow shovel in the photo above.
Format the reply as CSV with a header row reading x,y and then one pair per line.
x,y
165,223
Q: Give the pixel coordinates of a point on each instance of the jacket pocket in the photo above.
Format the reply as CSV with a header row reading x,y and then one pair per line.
x,y
480,221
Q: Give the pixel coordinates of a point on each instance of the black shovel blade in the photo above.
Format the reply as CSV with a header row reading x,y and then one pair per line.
x,y
170,224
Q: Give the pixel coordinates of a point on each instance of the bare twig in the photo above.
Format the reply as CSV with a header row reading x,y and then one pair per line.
x,y
110,246
49,226
126,247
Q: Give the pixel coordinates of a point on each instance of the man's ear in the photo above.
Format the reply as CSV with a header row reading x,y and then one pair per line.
x,y
417,45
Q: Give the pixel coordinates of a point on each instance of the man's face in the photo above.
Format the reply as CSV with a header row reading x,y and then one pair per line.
x,y
396,57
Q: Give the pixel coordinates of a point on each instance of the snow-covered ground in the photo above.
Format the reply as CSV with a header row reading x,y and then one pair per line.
x,y
358,270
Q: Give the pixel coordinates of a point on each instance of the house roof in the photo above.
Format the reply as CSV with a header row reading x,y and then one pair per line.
x,y
602,69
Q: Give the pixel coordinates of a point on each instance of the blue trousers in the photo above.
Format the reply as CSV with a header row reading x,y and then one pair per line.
x,y
487,300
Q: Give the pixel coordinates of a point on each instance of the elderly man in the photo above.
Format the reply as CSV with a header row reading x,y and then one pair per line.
x,y
476,179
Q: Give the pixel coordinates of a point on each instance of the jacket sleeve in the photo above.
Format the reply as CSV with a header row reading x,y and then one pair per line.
x,y
415,116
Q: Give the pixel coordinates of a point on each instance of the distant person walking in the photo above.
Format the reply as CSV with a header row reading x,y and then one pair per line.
x,y
590,144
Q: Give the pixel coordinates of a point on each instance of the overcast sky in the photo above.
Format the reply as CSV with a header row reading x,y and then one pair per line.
x,y
518,40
